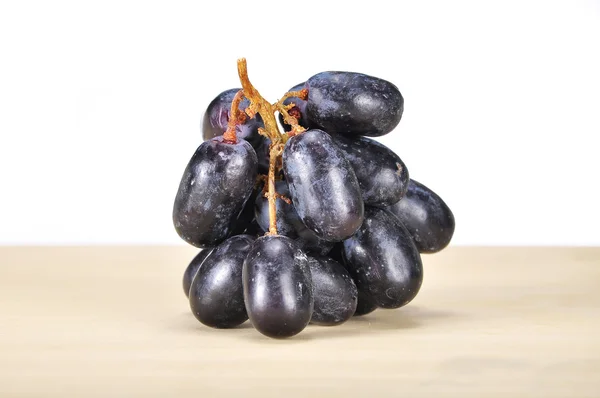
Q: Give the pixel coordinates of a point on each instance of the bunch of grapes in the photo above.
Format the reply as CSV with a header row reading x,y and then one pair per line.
x,y
307,220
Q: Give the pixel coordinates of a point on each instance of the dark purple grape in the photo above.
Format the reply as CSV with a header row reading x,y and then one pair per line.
x,y
192,269
216,118
246,217
353,104
381,174
278,287
323,186
365,305
215,185
425,215
217,294
299,110
334,292
288,222
383,260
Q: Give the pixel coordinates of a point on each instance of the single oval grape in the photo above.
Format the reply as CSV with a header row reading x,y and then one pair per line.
x,y
215,185
383,260
278,289
353,104
323,186
426,216
382,175
334,292
288,221
216,293
192,269
298,111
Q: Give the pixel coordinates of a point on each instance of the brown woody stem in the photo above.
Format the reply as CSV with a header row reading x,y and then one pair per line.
x,y
259,105
283,109
267,112
274,153
235,117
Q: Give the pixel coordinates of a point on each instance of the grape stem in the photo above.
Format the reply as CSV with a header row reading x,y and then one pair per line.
x,y
267,112
274,153
259,105
236,117
283,109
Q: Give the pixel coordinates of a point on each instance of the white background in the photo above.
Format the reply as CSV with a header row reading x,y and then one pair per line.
x,y
101,104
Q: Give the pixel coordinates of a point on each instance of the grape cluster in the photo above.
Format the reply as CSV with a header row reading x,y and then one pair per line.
x,y
314,224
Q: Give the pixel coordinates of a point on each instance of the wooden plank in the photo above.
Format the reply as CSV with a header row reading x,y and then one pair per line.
x,y
113,321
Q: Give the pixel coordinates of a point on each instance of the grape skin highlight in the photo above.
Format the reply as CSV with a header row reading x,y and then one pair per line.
x,y
353,104
323,186
215,185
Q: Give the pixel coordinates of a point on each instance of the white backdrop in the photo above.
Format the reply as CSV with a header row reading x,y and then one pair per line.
x,y
100,106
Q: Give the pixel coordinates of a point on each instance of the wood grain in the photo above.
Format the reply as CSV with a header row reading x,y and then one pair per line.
x,y
114,322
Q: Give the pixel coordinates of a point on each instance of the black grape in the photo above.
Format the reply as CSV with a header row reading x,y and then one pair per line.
x,y
216,294
288,222
365,305
278,289
383,260
213,190
323,186
334,292
353,104
381,174
298,111
246,217
192,269
426,216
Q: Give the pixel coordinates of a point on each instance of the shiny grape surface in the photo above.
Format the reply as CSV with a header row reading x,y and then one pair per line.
x,y
214,188
278,289
216,293
334,290
323,186
383,260
426,216
353,104
365,305
192,269
382,175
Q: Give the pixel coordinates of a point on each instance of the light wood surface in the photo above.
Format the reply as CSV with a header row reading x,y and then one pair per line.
x,y
114,322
